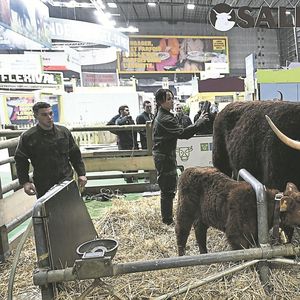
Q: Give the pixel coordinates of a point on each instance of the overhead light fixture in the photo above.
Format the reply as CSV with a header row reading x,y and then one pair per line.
x,y
151,4
111,4
71,3
130,29
190,6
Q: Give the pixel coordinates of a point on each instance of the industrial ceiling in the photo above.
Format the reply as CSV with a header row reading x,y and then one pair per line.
x,y
172,11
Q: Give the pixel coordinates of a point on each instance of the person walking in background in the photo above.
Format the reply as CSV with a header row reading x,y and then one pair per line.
x,y
127,140
166,131
144,117
50,149
183,119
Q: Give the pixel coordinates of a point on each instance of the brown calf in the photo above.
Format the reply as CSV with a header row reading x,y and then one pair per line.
x,y
209,198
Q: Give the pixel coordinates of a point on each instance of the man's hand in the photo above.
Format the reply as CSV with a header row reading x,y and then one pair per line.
x,y
82,180
203,118
29,188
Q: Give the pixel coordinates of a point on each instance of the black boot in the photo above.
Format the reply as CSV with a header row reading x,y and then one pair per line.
x,y
166,205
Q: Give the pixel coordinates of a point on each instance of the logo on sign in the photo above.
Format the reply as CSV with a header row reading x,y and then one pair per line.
x,y
223,17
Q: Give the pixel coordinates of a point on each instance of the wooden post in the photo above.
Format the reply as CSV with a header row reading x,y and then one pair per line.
x,y
149,137
4,245
152,173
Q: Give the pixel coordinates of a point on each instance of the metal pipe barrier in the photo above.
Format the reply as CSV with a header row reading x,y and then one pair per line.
x,y
262,222
92,268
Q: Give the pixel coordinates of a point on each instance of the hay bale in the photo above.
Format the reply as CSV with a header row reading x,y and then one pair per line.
x,y
141,235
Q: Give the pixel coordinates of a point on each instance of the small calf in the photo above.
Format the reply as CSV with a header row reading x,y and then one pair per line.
x,y
209,198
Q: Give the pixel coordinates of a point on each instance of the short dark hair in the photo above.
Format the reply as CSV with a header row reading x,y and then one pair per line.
x,y
122,108
146,102
39,105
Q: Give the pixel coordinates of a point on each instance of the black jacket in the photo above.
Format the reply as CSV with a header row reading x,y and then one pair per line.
x,y
166,131
142,119
184,120
50,153
127,140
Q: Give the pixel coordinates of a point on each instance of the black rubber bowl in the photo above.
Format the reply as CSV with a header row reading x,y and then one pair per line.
x,y
107,246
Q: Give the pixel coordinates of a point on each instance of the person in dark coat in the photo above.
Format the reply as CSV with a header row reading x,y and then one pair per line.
x,y
166,131
183,119
50,149
127,140
207,108
144,117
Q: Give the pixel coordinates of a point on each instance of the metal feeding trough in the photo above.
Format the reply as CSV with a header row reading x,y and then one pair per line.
x,y
98,248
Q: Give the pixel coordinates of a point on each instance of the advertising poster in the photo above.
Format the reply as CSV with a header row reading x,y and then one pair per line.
x,y
175,54
19,109
28,18
99,79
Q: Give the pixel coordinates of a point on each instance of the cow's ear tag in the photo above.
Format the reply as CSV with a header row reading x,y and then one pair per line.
x,y
283,205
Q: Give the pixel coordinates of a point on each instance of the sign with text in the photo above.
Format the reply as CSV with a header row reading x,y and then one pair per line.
x,y
69,30
99,79
224,17
31,81
175,54
20,63
61,61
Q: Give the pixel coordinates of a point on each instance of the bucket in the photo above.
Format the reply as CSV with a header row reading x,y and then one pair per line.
x,y
103,247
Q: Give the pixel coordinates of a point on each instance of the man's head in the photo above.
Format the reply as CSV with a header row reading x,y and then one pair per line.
x,y
147,106
124,110
43,113
178,108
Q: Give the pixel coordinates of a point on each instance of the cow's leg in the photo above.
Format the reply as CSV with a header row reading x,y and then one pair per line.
x,y
185,216
201,233
182,230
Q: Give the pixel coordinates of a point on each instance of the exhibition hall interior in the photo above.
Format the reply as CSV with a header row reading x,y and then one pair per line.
x,y
149,149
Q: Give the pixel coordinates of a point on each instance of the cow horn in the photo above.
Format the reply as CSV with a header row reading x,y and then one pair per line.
x,y
215,12
286,140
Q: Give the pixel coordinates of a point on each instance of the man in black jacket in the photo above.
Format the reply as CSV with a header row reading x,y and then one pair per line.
x,y
144,117
166,131
49,148
127,140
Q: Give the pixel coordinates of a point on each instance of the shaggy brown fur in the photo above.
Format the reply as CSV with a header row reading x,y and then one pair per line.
x,y
243,139
209,198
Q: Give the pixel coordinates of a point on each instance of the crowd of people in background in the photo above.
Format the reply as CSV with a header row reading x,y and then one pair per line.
x,y
170,122
127,140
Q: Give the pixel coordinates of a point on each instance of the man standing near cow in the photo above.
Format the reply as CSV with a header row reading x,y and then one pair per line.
x,y
166,131
50,149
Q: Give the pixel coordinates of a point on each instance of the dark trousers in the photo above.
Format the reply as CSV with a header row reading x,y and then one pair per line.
x,y
166,168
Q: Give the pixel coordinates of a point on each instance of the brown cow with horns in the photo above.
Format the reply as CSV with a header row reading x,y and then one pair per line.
x,y
243,139
209,198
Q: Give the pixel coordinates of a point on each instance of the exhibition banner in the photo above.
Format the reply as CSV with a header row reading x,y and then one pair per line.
x,y
70,30
175,54
29,19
